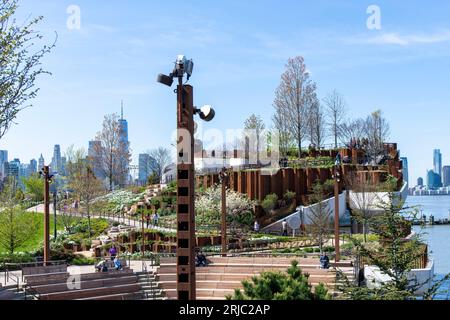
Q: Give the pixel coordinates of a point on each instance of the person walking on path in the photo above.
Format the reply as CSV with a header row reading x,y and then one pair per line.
x,y
284,228
155,219
256,226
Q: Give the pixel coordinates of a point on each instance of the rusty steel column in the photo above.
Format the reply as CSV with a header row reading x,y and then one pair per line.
x,y
224,181
186,287
336,214
46,174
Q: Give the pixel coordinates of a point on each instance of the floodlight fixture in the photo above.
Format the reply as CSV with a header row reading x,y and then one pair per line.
x,y
182,66
206,113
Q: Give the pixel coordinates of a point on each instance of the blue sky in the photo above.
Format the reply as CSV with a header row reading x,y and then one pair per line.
x,y
239,49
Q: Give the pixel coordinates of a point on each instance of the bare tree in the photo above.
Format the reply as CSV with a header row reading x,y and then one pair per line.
x,y
82,181
363,199
320,216
112,152
377,133
352,129
280,121
20,63
336,112
291,98
256,124
316,122
162,159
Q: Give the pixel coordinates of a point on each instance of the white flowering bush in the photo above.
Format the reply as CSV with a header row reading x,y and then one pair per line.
x,y
239,208
117,200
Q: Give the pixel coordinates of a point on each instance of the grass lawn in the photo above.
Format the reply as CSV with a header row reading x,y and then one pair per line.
x,y
34,242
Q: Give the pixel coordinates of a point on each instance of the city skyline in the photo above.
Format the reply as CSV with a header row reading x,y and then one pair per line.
x,y
109,59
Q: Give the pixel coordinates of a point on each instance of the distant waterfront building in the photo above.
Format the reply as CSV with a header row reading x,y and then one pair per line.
x,y
13,169
41,163
446,173
33,166
56,160
146,165
433,180
405,169
3,160
437,163
420,182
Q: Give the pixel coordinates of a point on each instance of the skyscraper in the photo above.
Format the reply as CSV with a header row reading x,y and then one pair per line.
x,y
433,180
146,163
33,166
437,163
3,160
123,136
41,162
405,169
420,182
56,160
446,178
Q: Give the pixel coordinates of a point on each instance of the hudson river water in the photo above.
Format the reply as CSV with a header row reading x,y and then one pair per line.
x,y
438,237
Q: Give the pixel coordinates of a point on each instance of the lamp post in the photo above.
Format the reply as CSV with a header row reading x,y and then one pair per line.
x,y
45,174
186,283
55,232
337,180
223,176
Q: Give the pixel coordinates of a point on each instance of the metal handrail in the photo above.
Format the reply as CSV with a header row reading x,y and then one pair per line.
x,y
27,289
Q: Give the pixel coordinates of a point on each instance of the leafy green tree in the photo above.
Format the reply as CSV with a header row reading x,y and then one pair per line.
x,y
395,255
292,285
20,63
16,226
34,187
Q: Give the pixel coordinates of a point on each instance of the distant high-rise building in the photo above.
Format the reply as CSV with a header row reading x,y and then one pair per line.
x,y
405,169
41,163
146,163
437,163
433,180
56,160
93,157
123,136
446,173
14,170
33,166
420,182
3,160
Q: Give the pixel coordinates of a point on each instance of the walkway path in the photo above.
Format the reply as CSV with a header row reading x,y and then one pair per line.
x,y
135,223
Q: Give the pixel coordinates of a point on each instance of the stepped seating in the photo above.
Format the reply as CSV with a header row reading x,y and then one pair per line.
x,y
225,274
112,285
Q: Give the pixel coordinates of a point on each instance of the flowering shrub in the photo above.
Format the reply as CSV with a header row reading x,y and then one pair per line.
x,y
117,200
239,208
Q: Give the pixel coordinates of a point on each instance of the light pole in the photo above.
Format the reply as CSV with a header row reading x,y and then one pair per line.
x,y
223,176
45,174
55,195
337,180
186,280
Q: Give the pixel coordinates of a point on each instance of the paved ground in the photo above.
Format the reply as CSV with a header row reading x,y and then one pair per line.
x,y
136,266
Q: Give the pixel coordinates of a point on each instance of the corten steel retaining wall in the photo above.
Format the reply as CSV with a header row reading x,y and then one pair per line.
x,y
301,180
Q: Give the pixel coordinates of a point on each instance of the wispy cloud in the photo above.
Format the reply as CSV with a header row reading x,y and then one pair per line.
x,y
394,38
